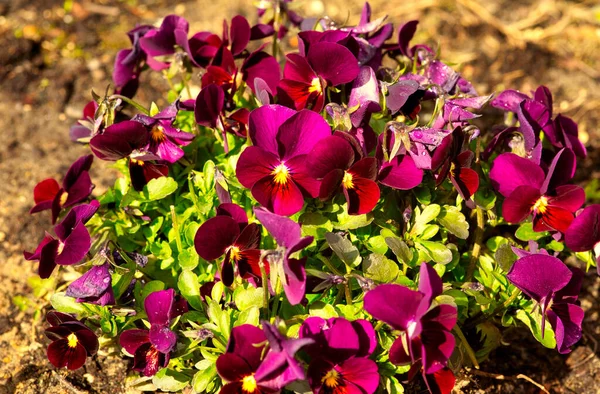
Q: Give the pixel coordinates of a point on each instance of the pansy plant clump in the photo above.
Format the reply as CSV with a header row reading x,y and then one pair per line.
x,y
320,217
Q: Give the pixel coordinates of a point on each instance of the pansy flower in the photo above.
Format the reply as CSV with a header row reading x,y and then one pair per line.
x,y
274,168
584,232
426,337
305,79
76,187
339,356
93,287
162,41
151,348
72,341
397,168
548,281
71,244
129,62
229,234
87,125
335,163
288,236
128,139
528,191
165,140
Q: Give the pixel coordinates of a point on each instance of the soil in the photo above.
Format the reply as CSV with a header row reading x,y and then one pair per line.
x,y
52,57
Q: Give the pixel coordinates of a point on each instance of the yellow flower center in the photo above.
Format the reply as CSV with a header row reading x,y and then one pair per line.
x,y
315,86
234,253
347,180
137,162
63,198
72,340
541,205
157,134
249,384
281,174
331,379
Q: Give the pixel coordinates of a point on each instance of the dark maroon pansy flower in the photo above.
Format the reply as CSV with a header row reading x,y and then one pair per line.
x,y
406,32
555,287
94,287
151,348
164,139
453,159
335,163
129,62
426,329
352,375
306,78
229,234
584,232
71,244
72,341
528,191
405,97
274,168
288,236
162,41
76,187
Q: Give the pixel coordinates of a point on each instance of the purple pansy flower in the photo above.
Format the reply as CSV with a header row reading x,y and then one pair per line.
x,y
405,97
555,287
71,244
76,187
340,355
584,232
94,287
129,62
529,191
397,169
72,341
164,139
336,163
364,96
288,237
151,348
87,125
229,234
274,168
162,41
306,78
426,330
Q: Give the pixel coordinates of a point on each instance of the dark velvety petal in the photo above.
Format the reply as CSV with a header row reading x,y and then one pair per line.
x,y
331,184
48,259
260,31
539,276
239,34
510,171
300,175
244,341
343,341
57,332
568,197
361,372
441,382
363,197
570,134
528,127
329,154
405,35
584,231
264,126
218,76
81,213
300,133
365,168
248,265
508,100
162,338
517,207
62,355
84,163
119,140
367,337
333,62
232,367
444,315
297,69
75,246
214,236
566,320
561,170
554,218
123,72
364,95
232,388
261,65
281,198
158,306
249,238
56,318
430,283
398,354
209,104
317,370
85,336
399,93
438,346
296,280
36,255
162,41
393,304
79,190
91,284
285,231
235,212
254,164
44,192
131,340
227,273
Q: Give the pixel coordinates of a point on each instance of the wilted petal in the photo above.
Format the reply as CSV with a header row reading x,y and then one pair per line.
x,y
399,93
93,283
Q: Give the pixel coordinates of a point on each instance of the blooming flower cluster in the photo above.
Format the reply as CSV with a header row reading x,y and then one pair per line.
x,y
335,224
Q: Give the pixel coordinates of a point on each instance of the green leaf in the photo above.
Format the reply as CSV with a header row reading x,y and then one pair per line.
x,y
248,316
248,298
188,259
324,311
491,337
493,243
154,109
454,221
170,380
159,188
525,233
380,268
377,244
206,375
400,249
65,304
344,249
351,222
429,231
189,287
534,322
315,224
505,257
422,218
436,251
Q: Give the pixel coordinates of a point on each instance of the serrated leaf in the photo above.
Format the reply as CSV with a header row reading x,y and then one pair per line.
x,y
380,268
170,380
454,221
344,249
491,337
159,188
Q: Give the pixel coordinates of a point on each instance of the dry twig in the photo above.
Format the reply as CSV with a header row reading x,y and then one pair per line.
x,y
504,377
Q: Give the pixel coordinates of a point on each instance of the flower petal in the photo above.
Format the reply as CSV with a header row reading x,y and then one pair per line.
x,y
162,338
158,307
283,199
300,133
330,154
510,171
214,237
333,62
401,173
254,164
393,304
519,204
566,320
363,197
264,123
244,341
76,246
208,106
539,276
584,231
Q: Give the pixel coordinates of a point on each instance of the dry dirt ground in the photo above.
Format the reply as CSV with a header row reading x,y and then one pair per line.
x,y
54,52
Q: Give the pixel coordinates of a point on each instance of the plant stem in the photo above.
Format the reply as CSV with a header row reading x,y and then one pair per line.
x,y
176,228
468,347
131,102
348,292
328,264
263,275
477,244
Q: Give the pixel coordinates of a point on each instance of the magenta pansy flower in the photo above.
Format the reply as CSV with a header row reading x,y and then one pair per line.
x,y
162,41
584,232
94,287
72,341
274,168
